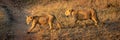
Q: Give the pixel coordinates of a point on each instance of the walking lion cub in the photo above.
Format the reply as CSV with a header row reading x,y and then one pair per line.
x,y
82,14
41,20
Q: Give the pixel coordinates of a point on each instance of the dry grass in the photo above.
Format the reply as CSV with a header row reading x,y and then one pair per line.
x,y
107,14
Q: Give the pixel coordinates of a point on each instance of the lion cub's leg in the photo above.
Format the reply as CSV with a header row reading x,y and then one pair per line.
x,y
50,20
58,25
94,18
50,24
96,23
33,26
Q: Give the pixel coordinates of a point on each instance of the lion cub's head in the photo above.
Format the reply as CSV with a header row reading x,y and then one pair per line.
x,y
68,12
29,19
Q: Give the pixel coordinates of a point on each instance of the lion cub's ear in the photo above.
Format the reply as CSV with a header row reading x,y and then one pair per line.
x,y
71,10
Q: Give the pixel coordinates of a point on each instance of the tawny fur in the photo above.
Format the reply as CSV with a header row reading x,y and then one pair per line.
x,y
82,14
41,20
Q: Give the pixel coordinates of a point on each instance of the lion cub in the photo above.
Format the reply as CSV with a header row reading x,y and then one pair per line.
x,y
82,14
41,20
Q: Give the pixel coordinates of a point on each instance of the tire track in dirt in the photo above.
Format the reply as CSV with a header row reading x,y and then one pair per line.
x,y
19,26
